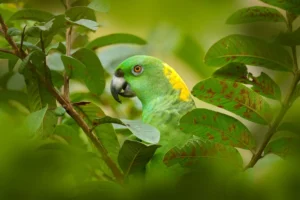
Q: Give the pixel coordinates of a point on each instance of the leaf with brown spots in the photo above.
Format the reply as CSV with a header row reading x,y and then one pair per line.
x,y
217,127
105,132
289,5
255,14
283,147
237,99
250,51
196,151
261,84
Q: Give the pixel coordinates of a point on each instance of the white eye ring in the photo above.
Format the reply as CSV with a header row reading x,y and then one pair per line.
x,y
138,69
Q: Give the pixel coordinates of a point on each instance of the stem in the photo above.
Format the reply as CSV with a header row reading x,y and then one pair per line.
x,y
68,106
66,90
287,103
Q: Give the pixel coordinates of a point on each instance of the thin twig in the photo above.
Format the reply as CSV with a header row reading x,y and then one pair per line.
x,y
286,104
66,90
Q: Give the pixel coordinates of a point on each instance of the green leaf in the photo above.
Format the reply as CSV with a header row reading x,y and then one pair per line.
x,y
94,74
100,5
36,54
289,38
296,94
34,120
74,68
143,131
289,5
196,151
7,95
5,78
60,111
234,97
29,46
9,56
283,147
60,47
80,41
104,132
86,23
69,134
250,51
31,14
80,12
57,79
262,84
107,119
255,14
12,63
134,156
117,38
217,127
289,126
14,31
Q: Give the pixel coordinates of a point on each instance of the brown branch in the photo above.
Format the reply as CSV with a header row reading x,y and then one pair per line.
x,y
8,38
7,51
68,106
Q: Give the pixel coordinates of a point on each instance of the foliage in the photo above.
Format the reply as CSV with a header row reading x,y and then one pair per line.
x,y
69,134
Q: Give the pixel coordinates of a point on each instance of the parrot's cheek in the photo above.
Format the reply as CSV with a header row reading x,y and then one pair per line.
x,y
119,86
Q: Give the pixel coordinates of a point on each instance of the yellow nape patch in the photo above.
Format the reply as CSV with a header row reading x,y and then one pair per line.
x,y
177,83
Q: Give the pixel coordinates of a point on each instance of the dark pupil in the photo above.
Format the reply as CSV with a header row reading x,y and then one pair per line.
x,y
137,68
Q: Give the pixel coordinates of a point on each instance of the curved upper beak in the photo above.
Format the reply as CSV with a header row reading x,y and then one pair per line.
x,y
119,86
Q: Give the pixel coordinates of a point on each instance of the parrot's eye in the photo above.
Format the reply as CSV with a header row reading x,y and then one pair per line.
x,y
137,70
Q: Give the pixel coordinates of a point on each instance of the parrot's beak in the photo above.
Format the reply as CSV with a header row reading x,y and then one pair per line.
x,y
119,86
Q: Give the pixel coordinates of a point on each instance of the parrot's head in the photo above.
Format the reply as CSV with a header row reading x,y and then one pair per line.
x,y
148,78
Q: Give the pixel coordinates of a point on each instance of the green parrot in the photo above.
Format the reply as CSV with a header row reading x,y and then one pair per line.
x,y
164,95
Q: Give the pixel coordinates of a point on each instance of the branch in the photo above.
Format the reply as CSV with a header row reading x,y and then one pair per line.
x,y
287,103
8,38
7,51
68,106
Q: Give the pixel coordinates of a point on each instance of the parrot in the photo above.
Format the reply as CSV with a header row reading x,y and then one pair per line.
x,y
164,96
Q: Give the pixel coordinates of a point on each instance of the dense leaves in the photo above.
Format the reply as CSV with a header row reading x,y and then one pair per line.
x,y
217,127
134,156
255,14
234,97
250,51
262,84
196,151
118,38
